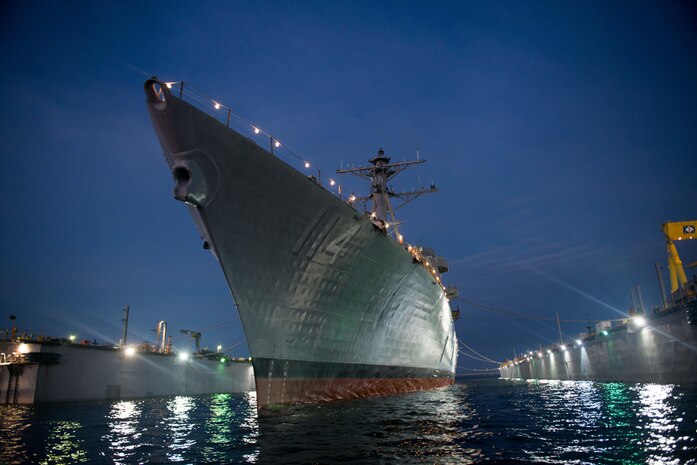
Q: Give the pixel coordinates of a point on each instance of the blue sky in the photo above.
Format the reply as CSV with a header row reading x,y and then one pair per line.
x,y
561,134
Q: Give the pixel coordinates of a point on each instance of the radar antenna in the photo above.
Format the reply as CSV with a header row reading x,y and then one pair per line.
x,y
379,173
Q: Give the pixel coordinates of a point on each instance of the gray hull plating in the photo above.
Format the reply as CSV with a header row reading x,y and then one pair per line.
x,y
312,278
665,351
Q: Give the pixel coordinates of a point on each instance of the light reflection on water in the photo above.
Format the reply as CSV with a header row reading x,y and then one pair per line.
x,y
484,420
425,427
124,434
64,446
657,420
15,425
178,426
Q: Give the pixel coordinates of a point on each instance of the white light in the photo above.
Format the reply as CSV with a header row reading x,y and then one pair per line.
x,y
72,338
639,321
307,164
183,356
563,347
549,352
23,348
256,130
277,144
130,351
332,182
352,198
400,238
169,85
539,354
220,348
579,342
217,106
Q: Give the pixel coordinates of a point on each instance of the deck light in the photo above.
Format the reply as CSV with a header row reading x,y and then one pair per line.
x,y
220,348
639,321
332,182
217,106
23,348
277,144
183,356
307,164
579,342
130,351
256,130
563,347
72,338
352,198
169,85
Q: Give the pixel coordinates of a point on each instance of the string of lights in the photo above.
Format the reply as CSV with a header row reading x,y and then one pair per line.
x,y
193,95
187,92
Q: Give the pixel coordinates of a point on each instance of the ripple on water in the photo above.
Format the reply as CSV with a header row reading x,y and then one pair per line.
x,y
483,421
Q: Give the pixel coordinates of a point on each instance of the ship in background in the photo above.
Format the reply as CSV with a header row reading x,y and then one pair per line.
x,y
657,347
335,304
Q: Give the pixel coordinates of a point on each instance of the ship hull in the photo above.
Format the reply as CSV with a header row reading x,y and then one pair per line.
x,y
331,307
664,351
285,381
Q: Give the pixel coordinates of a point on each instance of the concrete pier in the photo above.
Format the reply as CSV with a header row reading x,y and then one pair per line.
x,y
662,351
58,372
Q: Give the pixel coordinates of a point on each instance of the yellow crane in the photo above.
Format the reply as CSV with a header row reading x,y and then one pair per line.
x,y
678,231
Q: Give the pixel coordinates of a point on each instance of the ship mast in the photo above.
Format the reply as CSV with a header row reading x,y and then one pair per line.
x,y
379,173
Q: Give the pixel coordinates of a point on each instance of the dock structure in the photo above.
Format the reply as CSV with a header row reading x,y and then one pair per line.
x,y
656,348
37,372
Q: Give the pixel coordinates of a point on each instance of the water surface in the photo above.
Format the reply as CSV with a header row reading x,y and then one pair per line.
x,y
482,421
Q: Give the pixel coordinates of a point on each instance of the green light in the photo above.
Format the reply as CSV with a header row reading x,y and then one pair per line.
x,y
605,333
222,360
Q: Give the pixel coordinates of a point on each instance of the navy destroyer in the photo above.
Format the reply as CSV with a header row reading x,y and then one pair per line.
x,y
334,303
644,347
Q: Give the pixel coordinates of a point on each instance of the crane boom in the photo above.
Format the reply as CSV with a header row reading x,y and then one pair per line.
x,y
195,335
677,231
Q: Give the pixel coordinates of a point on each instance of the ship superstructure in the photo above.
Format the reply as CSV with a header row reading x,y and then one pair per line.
x,y
332,306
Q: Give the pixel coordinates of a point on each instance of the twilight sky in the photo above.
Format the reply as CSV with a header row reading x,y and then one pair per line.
x,y
561,134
